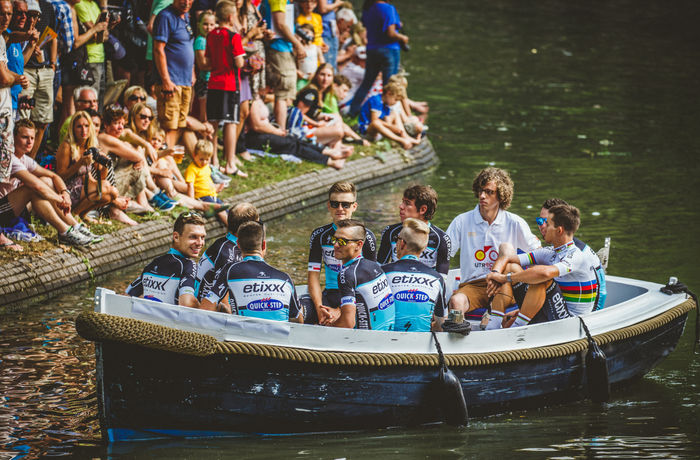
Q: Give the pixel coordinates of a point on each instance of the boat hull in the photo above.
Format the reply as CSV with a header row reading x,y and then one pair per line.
x,y
146,393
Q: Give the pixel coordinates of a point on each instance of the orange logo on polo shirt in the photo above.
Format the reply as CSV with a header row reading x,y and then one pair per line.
x,y
489,251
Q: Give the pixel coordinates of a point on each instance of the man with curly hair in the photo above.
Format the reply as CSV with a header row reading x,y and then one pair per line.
x,y
478,233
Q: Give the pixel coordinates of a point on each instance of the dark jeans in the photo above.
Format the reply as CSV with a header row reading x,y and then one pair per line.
x,y
385,60
286,144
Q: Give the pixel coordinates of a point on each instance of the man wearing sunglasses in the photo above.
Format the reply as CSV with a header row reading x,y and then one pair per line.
x,y
478,233
419,291
559,281
419,202
589,254
225,249
342,203
366,301
170,278
255,288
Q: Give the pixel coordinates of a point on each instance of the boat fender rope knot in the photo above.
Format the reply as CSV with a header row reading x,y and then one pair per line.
x,y
676,287
454,405
597,381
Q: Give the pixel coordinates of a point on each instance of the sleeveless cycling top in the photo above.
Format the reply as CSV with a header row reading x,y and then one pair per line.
x,y
419,292
255,289
435,256
221,252
165,279
362,283
577,278
321,252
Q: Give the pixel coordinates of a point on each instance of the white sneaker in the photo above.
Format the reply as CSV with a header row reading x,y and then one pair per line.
x,y
73,237
84,230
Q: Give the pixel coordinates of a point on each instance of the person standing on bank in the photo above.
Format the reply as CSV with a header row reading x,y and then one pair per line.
x,y
170,278
173,57
419,291
384,43
342,203
478,233
366,301
255,288
419,202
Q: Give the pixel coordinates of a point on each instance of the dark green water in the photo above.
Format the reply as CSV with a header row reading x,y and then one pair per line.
x,y
596,103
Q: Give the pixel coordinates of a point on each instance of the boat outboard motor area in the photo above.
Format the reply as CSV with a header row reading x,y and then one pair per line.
x,y
451,395
597,381
676,287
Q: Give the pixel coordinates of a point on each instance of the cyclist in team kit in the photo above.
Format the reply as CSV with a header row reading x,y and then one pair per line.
x,y
255,288
419,202
342,203
366,301
170,278
418,290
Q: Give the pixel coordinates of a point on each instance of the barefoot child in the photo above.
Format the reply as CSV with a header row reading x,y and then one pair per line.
x,y
198,178
377,117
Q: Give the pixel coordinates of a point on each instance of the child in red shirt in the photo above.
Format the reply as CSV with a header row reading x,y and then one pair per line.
x,y
225,57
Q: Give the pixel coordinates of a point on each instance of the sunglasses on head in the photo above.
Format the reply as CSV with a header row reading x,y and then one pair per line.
x,y
541,220
134,97
187,214
189,31
341,241
344,204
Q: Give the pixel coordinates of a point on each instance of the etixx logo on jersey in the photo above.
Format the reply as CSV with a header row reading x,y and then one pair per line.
x,y
411,295
265,305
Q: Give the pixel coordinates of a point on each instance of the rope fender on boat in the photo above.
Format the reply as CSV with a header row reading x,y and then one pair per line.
x,y
99,327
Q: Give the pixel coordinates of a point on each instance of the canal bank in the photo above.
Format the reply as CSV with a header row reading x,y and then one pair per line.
x,y
37,278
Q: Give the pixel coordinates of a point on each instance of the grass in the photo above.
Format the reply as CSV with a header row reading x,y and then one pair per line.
x,y
262,172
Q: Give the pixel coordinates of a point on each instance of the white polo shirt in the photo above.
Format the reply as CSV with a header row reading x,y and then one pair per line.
x,y
478,241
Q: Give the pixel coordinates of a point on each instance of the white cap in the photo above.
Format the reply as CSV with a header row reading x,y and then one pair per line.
x,y
33,5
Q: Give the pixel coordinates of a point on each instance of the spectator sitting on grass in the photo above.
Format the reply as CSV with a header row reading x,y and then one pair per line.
x,y
198,178
376,117
341,88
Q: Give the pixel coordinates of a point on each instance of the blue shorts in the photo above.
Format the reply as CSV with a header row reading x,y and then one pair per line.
x,y
211,199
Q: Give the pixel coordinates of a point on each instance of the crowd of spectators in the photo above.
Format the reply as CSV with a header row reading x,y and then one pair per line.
x,y
100,101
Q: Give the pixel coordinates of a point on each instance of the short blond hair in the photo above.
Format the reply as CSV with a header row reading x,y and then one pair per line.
x,y
224,10
204,147
396,89
415,234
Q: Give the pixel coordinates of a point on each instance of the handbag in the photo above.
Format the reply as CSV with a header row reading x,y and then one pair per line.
x,y
77,61
254,63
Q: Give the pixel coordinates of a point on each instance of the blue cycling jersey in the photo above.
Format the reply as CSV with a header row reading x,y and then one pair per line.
x,y
362,283
165,279
436,255
221,252
255,289
321,252
419,293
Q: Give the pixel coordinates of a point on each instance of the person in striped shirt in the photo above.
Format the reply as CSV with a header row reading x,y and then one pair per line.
x,y
550,283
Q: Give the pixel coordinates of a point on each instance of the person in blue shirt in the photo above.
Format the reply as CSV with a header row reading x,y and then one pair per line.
x,y
419,291
366,301
225,249
379,117
170,278
255,288
384,43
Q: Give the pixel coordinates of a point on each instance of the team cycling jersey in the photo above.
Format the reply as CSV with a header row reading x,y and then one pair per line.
x,y
419,292
221,252
321,252
594,261
435,256
577,278
256,289
362,283
165,279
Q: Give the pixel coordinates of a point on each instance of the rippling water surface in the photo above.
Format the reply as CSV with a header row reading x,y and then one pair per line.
x,y
595,102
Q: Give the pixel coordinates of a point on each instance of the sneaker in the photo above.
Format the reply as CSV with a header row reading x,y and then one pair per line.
x,y
161,201
83,229
219,178
73,237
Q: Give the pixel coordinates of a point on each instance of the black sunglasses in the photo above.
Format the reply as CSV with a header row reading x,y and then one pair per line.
x,y
189,30
344,204
134,97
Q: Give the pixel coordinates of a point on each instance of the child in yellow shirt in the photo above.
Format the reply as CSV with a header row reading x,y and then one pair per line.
x,y
198,177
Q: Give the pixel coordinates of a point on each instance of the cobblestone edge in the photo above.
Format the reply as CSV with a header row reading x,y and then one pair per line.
x,y
33,279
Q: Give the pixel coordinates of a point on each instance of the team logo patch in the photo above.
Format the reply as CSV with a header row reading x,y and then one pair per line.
x,y
386,302
265,305
488,251
412,295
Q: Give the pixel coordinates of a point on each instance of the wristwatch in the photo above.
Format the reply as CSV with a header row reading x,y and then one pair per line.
x,y
509,277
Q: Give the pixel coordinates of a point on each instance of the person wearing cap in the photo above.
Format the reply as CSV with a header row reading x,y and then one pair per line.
x,y
261,134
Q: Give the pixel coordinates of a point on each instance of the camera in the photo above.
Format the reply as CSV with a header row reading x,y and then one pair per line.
x,y
405,47
97,157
